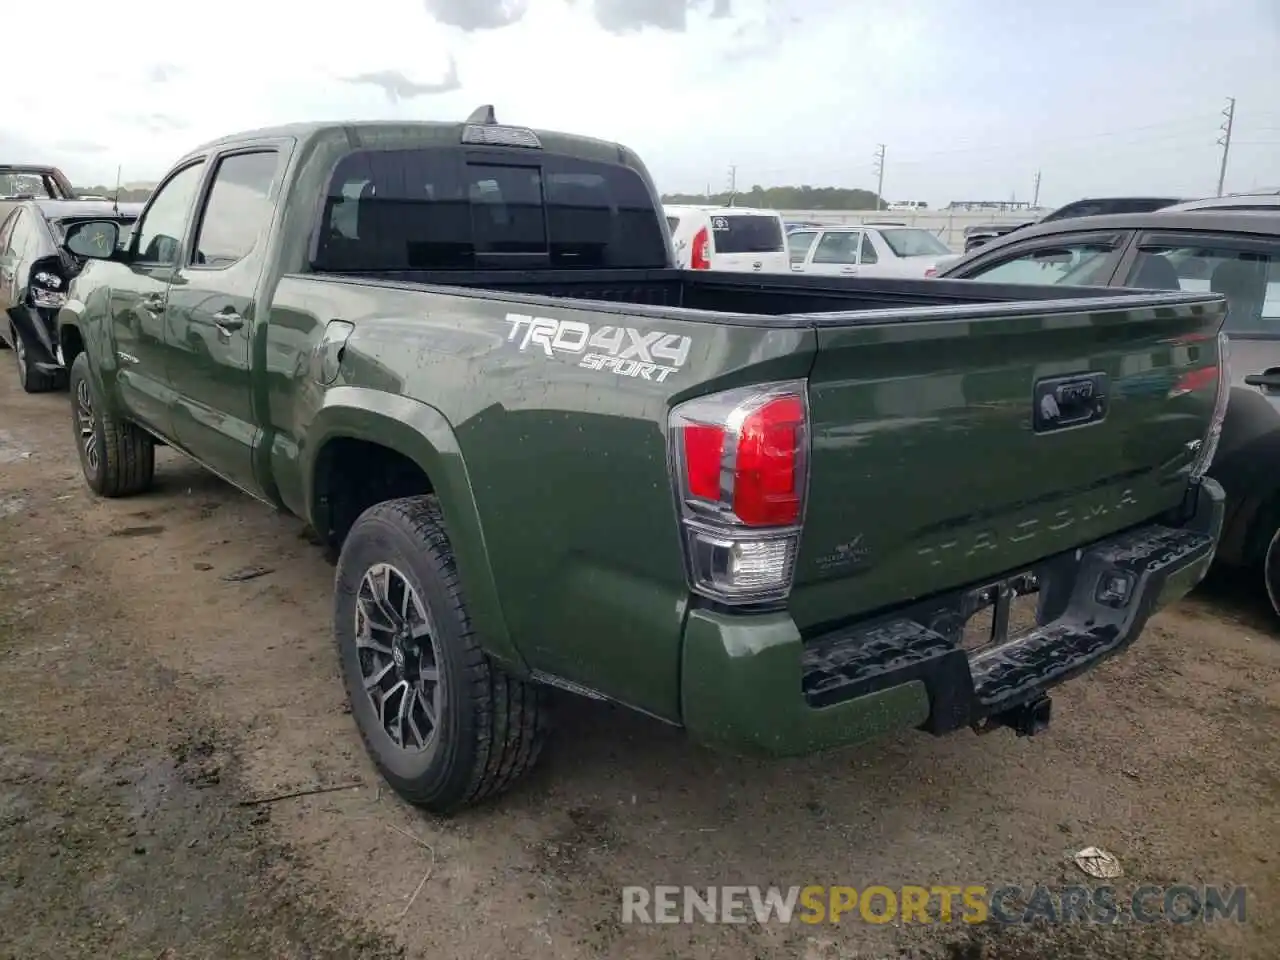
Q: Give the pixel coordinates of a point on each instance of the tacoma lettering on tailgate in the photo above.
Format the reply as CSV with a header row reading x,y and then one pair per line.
x,y
626,351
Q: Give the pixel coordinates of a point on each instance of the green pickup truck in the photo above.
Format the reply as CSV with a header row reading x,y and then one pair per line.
x,y
767,509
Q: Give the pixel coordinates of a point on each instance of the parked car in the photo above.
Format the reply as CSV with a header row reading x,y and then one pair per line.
x,y
35,270
24,181
734,239
980,235
1253,200
759,507
871,249
1234,252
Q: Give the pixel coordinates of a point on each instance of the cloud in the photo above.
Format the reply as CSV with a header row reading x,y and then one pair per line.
x,y
158,122
162,72
615,16
471,15
627,16
80,146
398,87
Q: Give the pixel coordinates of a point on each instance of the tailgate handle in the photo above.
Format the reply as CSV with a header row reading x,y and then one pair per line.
x,y
1073,401
1268,379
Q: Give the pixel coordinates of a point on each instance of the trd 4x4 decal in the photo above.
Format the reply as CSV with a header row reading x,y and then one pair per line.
x,y
626,351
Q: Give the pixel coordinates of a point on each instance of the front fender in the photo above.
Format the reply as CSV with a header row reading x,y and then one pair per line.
x,y
89,320
422,434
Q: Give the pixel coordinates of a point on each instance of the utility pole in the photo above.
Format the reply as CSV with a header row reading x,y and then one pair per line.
x,y
1224,141
733,182
1035,194
878,167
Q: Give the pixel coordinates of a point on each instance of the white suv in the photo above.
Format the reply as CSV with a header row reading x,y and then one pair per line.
x,y
871,249
736,239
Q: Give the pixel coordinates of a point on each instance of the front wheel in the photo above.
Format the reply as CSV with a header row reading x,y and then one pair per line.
x,y
444,724
118,459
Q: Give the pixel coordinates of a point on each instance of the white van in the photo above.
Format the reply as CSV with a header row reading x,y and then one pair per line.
x,y
737,239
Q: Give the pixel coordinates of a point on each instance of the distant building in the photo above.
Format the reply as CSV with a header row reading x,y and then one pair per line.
x,y
1004,206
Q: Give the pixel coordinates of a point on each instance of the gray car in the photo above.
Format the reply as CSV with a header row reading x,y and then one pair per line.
x,y
1232,251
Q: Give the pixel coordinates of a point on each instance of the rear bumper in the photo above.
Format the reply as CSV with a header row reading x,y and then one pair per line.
x,y
752,684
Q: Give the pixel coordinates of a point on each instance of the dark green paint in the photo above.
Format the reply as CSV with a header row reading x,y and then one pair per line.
x,y
554,481
741,691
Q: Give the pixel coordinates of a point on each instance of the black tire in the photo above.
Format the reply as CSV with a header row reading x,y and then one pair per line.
x,y
491,726
32,380
1270,568
125,461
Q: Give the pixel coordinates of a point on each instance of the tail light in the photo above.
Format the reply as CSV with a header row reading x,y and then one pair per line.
x,y
699,259
931,272
1220,377
741,472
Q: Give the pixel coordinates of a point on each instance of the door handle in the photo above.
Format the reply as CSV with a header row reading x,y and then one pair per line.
x,y
227,320
1268,380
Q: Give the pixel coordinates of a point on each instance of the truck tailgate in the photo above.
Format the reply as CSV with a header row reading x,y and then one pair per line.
x,y
945,451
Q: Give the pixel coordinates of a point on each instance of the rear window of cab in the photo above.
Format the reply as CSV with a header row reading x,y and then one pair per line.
x,y
438,209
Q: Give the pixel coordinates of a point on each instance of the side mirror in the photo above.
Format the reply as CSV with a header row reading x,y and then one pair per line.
x,y
93,239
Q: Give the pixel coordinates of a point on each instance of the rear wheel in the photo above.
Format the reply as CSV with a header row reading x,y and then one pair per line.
x,y
32,380
118,459
444,724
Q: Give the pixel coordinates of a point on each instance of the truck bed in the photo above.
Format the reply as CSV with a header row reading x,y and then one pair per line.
x,y
757,299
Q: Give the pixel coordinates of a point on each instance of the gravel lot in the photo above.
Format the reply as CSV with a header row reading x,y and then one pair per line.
x,y
146,703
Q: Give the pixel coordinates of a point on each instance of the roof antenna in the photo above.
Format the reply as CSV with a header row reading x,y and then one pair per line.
x,y
483,114
115,201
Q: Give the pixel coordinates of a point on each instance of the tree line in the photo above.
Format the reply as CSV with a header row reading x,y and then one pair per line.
x,y
788,198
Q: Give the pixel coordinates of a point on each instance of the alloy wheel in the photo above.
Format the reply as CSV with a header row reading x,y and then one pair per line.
x,y
85,421
399,658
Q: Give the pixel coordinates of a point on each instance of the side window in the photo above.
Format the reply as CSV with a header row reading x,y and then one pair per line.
x,y
159,233
838,246
238,209
1249,278
1069,263
868,250
798,244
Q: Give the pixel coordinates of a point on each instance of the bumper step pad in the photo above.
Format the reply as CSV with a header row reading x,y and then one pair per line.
x,y
1095,603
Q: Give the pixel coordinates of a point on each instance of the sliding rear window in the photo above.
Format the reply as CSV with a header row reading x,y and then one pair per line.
x,y
438,209
751,233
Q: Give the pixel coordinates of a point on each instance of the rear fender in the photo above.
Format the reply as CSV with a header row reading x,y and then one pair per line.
x,y
422,434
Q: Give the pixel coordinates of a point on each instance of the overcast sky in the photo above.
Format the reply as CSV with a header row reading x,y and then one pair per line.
x,y
970,97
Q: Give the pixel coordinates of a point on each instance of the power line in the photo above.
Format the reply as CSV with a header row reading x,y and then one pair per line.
x,y
1225,140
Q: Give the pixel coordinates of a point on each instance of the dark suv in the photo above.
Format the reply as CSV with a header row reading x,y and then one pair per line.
x,y
980,234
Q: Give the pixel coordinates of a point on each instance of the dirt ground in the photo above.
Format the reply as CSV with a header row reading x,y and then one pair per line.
x,y
147,703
